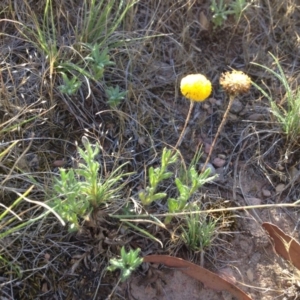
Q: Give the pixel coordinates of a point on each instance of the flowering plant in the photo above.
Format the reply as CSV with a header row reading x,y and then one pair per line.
x,y
197,88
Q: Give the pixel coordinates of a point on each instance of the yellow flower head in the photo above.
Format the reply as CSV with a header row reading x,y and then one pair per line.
x,y
195,87
235,82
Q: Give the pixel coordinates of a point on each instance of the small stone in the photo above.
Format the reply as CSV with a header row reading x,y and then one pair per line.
x,y
256,117
221,176
236,107
294,174
33,160
219,102
244,246
266,193
280,167
227,274
22,163
219,162
141,141
210,111
207,147
250,275
47,257
59,163
212,100
289,283
233,117
253,201
280,188
206,106
211,167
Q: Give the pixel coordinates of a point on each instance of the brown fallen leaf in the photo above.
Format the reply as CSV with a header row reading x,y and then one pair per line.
x,y
210,279
285,245
204,23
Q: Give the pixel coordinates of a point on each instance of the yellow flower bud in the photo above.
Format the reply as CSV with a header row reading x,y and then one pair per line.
x,y
195,87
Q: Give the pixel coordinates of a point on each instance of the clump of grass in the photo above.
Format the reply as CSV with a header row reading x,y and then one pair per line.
x,y
18,209
101,20
221,10
127,263
66,58
156,175
198,233
288,111
85,58
16,179
187,184
220,13
80,191
193,182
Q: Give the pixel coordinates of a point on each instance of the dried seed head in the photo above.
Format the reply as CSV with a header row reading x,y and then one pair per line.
x,y
235,82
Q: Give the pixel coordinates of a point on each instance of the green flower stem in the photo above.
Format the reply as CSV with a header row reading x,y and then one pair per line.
x,y
231,98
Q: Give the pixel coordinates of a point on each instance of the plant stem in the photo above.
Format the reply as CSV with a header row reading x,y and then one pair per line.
x,y
231,98
185,125
202,258
112,292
